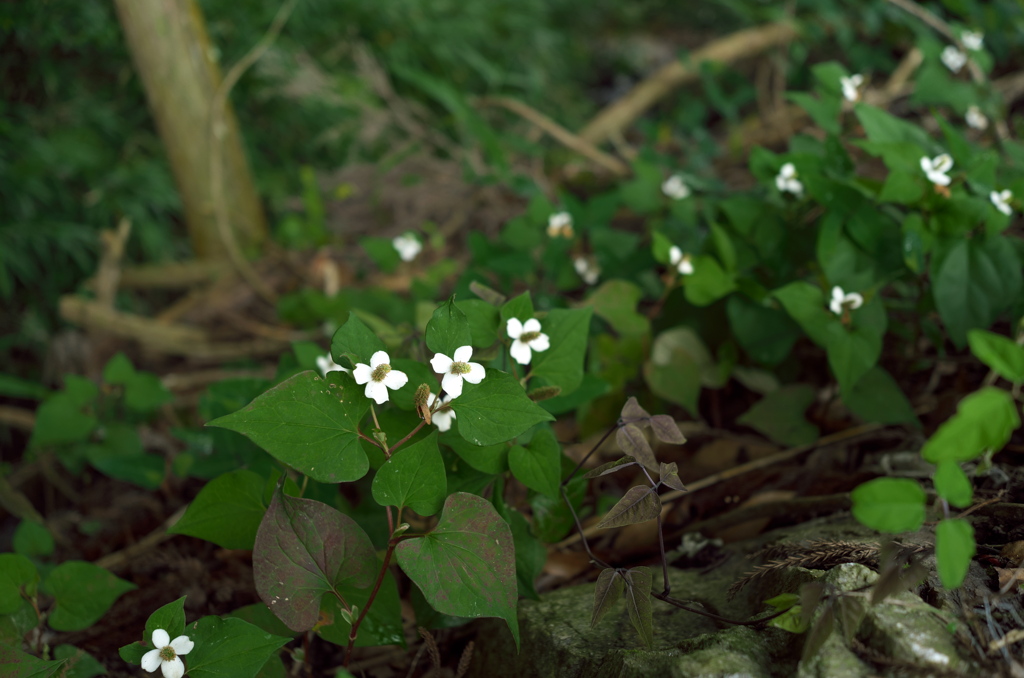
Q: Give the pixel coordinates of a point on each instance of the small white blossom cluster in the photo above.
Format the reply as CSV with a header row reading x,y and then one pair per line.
x,y
973,40
379,376
953,58
851,86
560,224
786,181
842,301
675,188
164,655
407,245
937,168
587,269
1001,200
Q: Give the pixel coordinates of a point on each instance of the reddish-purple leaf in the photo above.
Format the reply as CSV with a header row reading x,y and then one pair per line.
x,y
666,430
670,476
632,411
606,593
610,467
303,549
634,443
638,505
638,603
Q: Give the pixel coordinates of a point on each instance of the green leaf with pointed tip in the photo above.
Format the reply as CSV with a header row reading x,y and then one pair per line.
x,y
889,504
495,410
954,549
80,664
483,322
309,424
539,464
448,329
229,647
491,459
780,415
304,549
607,591
952,484
121,455
877,397
33,540
414,477
638,602
615,302
531,555
708,282
60,418
638,505
16,664
633,442
227,511
1003,355
169,617
18,580
143,392
471,545
520,307
984,420
354,343
562,364
82,594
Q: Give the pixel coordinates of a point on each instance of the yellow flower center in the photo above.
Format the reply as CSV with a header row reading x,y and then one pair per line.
x,y
460,368
380,372
527,337
167,653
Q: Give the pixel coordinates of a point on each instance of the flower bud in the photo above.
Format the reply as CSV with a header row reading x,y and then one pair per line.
x,y
420,399
544,393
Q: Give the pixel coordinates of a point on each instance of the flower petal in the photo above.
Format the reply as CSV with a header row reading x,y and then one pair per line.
x,y
182,645
675,255
463,354
452,384
379,358
376,391
430,399
396,379
513,328
443,420
151,660
854,299
161,638
531,325
173,669
362,373
520,352
441,363
837,294
476,373
541,343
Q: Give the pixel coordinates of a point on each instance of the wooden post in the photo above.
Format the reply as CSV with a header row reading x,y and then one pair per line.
x,y
172,55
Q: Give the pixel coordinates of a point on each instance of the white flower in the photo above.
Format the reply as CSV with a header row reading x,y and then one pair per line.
x,y
681,261
787,182
953,58
851,86
442,418
587,269
1001,199
456,369
164,656
975,118
527,336
937,167
841,301
973,40
325,364
560,224
407,245
674,187
379,377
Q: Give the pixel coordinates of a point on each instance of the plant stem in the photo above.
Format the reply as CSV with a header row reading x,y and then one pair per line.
x,y
401,442
600,442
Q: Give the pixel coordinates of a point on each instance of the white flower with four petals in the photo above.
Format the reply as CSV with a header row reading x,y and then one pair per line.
x,y
953,58
407,245
841,301
936,168
787,182
457,368
1001,199
973,40
975,118
680,260
526,337
560,224
379,377
164,655
587,269
851,86
674,187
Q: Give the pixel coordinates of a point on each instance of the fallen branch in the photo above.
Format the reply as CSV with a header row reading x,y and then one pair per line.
x,y
560,134
740,45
